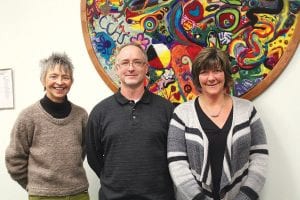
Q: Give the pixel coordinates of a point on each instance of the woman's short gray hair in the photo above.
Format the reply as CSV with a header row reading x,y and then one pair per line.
x,y
60,59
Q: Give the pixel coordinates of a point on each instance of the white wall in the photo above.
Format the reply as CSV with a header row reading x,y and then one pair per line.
x,y
31,30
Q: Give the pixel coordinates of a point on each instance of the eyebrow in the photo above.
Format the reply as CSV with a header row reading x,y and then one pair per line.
x,y
65,73
137,59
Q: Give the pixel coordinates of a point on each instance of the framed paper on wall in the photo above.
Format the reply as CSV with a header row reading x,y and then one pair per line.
x,y
260,37
6,89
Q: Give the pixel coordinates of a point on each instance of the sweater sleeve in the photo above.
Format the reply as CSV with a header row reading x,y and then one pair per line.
x,y
83,144
93,145
186,185
17,153
258,160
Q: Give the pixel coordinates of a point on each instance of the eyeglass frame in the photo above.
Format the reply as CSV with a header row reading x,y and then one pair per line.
x,y
134,63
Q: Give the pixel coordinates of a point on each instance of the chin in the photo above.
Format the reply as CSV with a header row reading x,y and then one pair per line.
x,y
133,83
215,93
60,96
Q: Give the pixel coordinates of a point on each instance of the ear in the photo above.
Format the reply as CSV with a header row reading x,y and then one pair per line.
x,y
147,68
44,85
116,69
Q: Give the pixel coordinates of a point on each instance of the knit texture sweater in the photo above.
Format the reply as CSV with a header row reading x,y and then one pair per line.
x,y
127,147
245,158
45,155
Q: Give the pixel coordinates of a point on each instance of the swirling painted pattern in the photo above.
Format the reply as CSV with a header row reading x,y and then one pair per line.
x,y
254,33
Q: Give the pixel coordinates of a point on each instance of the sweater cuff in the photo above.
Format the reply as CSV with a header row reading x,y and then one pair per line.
x,y
246,193
199,196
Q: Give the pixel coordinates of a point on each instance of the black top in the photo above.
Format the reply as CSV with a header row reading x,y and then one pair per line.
x,y
57,110
127,147
216,145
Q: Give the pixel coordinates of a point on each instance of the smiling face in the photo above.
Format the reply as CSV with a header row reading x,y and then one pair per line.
x,y
211,71
57,83
212,81
131,67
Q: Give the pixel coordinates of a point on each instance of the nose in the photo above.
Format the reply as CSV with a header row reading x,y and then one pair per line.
x,y
59,80
211,75
130,67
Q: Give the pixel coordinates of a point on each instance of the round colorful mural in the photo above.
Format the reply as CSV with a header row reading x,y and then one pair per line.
x,y
260,38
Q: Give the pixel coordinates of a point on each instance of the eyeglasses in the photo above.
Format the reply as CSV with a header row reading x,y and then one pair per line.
x,y
135,63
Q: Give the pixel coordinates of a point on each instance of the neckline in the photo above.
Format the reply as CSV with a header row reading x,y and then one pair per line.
x,y
201,114
209,113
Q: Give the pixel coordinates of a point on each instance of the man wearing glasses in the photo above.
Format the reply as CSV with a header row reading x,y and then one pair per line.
x,y
127,135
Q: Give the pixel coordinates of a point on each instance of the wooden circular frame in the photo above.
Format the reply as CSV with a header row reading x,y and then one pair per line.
x,y
251,94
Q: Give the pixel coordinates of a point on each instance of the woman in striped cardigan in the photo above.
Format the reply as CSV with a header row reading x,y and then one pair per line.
x,y
217,146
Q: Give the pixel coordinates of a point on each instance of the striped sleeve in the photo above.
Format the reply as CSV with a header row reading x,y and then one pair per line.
x,y
258,160
186,185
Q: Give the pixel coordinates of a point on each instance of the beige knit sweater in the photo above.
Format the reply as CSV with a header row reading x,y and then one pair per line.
x,y
45,154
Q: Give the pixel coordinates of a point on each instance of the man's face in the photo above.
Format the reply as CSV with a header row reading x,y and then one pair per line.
x,y
131,67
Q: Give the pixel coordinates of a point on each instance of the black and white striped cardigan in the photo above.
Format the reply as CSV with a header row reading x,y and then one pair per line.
x,y
245,160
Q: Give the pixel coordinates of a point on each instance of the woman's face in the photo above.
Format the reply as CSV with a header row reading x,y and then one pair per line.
x,y
57,83
212,81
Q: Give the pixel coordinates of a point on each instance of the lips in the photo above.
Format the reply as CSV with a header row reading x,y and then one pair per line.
x,y
212,85
59,88
130,75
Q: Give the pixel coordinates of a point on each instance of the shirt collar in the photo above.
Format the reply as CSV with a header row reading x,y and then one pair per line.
x,y
123,100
